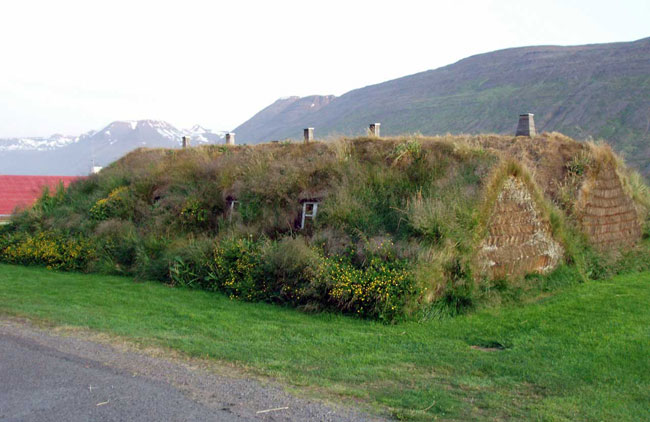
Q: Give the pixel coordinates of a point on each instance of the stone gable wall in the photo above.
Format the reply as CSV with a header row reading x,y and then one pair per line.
x,y
606,213
518,240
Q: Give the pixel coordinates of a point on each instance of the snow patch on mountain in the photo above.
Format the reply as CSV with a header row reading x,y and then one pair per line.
x,y
36,144
145,132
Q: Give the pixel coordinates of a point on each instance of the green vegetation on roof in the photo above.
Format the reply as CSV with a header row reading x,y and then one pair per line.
x,y
396,235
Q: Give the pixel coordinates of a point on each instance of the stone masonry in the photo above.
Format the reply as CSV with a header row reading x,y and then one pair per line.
x,y
607,213
518,239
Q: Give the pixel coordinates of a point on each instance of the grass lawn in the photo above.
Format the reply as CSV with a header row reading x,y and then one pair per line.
x,y
582,354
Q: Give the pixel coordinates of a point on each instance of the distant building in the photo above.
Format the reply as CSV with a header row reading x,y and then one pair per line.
x,y
23,191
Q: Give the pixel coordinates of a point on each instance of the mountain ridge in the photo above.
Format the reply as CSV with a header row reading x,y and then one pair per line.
x,y
594,91
286,111
588,92
68,155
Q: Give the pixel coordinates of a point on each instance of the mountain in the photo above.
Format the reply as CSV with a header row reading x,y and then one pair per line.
x,y
66,155
591,91
35,144
272,122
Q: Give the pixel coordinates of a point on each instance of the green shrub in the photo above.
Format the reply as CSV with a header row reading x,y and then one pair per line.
x,y
46,203
380,289
459,293
289,271
194,214
435,218
293,273
408,150
579,164
190,263
117,244
151,259
633,260
117,204
236,269
47,248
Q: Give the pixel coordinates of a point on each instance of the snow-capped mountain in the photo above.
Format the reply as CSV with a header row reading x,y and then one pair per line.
x,y
201,135
68,155
36,144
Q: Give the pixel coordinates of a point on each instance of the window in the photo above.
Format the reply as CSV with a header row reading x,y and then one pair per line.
x,y
309,210
233,204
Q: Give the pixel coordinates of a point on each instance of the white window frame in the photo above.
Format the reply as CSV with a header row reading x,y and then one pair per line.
x,y
232,208
305,214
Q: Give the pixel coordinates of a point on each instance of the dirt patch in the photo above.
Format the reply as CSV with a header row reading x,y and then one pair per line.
x,y
489,346
487,349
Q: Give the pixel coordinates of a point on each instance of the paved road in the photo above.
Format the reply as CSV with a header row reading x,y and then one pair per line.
x,y
49,377
43,384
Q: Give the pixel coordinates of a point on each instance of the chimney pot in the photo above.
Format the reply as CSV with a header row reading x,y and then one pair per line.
x,y
375,129
309,134
526,126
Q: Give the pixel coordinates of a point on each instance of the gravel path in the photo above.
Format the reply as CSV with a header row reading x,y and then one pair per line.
x,y
72,375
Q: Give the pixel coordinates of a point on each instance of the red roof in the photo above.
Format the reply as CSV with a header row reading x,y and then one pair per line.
x,y
23,191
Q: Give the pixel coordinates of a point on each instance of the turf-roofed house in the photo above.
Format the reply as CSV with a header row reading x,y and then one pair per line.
x,y
386,228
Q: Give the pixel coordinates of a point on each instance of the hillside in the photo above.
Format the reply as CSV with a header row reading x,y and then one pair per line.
x,y
592,91
68,155
384,228
285,112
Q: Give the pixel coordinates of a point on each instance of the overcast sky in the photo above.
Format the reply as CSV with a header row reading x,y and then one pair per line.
x,y
71,66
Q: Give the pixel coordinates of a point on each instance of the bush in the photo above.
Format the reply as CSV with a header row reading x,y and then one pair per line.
x,y
116,205
194,214
46,203
635,259
152,261
117,245
289,271
380,289
435,219
190,263
293,273
458,295
48,248
235,269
